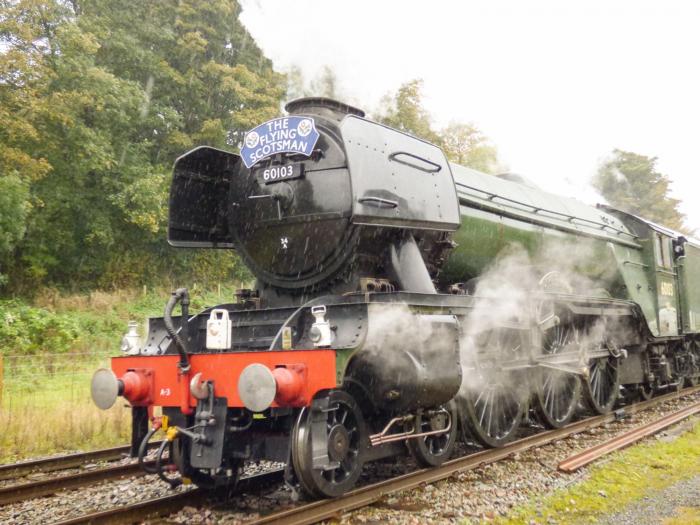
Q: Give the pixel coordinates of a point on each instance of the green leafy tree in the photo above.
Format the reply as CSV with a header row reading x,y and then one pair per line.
x,y
326,84
24,79
97,99
296,83
205,79
630,181
404,111
462,143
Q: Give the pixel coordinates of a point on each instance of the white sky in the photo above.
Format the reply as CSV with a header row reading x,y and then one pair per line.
x,y
556,85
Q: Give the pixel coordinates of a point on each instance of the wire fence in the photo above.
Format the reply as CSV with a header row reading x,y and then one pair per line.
x,y
43,380
46,407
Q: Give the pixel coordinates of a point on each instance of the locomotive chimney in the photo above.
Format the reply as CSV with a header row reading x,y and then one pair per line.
x,y
322,106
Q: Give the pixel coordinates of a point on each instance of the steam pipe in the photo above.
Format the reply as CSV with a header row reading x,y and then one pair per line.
x,y
174,482
183,297
142,450
408,266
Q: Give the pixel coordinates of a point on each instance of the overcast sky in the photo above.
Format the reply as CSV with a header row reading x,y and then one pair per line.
x,y
555,85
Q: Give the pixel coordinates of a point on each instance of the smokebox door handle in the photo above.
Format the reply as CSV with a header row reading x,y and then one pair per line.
x,y
415,161
378,202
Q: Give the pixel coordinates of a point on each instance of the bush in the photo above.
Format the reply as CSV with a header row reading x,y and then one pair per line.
x,y
30,330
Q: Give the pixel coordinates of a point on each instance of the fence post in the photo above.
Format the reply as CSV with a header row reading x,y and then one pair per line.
x,y
2,377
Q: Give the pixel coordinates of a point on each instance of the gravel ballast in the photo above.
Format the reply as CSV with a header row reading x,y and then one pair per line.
x,y
472,496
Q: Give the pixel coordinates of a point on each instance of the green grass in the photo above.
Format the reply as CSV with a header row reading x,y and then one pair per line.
x,y
627,477
56,414
51,347
685,516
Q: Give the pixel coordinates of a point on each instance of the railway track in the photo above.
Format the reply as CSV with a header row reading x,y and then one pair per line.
x,y
319,510
20,469
361,497
16,470
166,505
575,462
45,487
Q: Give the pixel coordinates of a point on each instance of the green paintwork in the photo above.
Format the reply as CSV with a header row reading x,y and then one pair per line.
x,y
497,213
672,288
689,284
614,249
636,268
342,358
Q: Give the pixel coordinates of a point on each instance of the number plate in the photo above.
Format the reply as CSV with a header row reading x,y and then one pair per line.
x,y
279,173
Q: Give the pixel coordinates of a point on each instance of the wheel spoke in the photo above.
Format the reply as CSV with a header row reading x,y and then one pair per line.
x,y
602,386
484,407
548,392
556,398
490,409
493,412
500,415
478,399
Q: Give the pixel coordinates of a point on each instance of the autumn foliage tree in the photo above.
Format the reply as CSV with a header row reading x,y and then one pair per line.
x,y
463,143
97,99
630,181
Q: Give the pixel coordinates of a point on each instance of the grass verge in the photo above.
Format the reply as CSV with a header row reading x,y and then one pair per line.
x,y
68,426
627,477
51,347
686,516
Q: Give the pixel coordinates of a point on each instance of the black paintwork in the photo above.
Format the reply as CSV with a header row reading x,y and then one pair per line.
x,y
365,188
139,429
212,418
370,202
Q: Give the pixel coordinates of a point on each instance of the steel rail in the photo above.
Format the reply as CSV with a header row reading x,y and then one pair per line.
x,y
361,497
166,505
44,487
576,461
16,470
318,510
138,512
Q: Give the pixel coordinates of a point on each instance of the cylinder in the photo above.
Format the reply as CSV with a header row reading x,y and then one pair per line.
x,y
408,360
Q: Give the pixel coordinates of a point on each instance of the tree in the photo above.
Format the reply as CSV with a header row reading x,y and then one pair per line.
x,y
326,84
404,111
462,143
97,99
630,181
24,80
296,84
205,79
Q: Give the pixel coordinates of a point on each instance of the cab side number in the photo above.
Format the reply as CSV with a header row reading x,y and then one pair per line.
x,y
667,288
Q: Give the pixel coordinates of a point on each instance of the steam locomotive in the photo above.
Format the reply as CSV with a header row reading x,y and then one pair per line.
x,y
372,329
